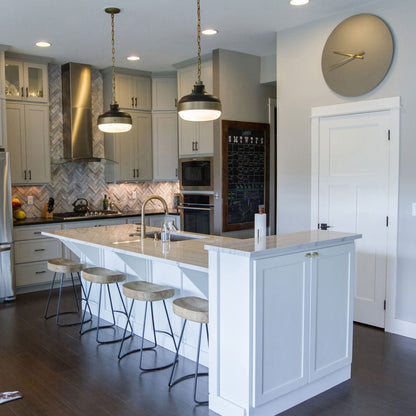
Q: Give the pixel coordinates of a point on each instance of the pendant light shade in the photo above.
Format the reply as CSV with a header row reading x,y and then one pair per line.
x,y
114,120
199,105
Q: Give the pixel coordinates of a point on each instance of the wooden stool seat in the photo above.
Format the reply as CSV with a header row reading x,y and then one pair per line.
x,y
147,292
64,266
192,308
102,276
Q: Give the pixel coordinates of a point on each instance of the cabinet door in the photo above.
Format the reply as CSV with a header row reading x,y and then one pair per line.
x,y
125,91
164,94
281,302
36,82
126,153
143,93
144,146
37,143
165,146
206,129
187,137
195,137
331,310
16,141
14,80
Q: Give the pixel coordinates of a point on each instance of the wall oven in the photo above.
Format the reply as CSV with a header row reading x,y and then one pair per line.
x,y
197,213
196,174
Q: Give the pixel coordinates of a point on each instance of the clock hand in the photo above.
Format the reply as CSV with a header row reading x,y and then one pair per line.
x,y
358,55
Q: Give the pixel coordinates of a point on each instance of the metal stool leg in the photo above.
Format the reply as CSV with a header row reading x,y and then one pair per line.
x,y
155,340
45,315
177,355
195,375
98,327
58,310
120,356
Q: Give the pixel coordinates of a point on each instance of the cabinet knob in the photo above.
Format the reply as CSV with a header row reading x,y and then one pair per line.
x,y
132,101
134,173
23,92
315,253
27,92
25,175
40,249
309,255
136,101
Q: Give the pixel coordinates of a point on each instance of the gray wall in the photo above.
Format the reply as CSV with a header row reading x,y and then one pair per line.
x,y
300,86
236,80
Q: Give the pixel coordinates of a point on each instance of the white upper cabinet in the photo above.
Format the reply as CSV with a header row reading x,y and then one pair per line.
x,y
165,146
164,93
133,92
26,81
28,143
195,138
131,150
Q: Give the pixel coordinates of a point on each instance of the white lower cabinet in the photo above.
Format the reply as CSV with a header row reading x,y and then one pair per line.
x,y
310,294
32,252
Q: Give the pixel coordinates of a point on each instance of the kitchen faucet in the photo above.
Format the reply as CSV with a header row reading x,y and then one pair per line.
x,y
149,198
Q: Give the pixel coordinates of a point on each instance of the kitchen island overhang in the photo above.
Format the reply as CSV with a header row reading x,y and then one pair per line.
x,y
280,308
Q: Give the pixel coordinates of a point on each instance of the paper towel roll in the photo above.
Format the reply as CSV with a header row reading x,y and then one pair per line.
x,y
260,226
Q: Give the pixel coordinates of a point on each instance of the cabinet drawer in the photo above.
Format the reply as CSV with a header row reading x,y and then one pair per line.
x,y
31,232
37,250
32,273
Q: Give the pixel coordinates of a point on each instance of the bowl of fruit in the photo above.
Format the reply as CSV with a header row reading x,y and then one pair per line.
x,y
18,213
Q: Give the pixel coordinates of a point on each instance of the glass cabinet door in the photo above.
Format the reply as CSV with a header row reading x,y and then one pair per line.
x,y
14,80
35,82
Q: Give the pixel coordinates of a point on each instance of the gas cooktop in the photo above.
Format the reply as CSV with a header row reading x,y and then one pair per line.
x,y
83,215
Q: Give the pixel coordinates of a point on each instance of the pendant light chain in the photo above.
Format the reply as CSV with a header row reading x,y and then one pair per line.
x,y
113,60
199,42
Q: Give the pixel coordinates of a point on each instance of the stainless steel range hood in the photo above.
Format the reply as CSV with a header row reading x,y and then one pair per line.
x,y
77,113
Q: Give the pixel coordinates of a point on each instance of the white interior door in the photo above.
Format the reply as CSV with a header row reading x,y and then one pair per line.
x,y
354,197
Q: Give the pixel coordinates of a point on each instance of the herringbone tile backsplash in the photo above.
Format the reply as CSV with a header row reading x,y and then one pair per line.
x,y
70,181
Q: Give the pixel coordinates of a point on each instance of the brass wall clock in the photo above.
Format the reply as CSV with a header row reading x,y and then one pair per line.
x,y
357,55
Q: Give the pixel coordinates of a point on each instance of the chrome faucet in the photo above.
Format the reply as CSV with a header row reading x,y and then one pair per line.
x,y
149,198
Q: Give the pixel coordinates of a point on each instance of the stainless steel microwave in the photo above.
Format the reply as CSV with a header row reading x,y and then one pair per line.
x,y
196,174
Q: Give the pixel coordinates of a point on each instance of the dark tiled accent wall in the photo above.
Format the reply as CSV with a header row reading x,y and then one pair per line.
x,y
83,180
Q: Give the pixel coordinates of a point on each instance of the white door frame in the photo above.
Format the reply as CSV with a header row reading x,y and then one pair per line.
x,y
385,104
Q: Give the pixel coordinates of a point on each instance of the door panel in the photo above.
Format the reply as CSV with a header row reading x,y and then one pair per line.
x,y
16,141
353,197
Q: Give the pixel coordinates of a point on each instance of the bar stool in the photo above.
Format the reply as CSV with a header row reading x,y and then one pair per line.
x,y
149,293
64,266
191,309
102,277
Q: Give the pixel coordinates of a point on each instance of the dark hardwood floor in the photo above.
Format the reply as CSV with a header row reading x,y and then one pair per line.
x,y
60,373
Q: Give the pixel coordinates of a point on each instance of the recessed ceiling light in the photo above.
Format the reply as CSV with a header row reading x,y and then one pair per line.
x,y
209,32
298,2
43,44
133,58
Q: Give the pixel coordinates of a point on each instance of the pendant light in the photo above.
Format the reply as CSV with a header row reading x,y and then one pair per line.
x,y
199,105
114,120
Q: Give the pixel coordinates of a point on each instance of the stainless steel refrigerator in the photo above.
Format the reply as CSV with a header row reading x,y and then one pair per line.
x,y
6,229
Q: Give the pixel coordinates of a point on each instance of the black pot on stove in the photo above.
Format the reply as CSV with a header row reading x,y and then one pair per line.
x,y
81,206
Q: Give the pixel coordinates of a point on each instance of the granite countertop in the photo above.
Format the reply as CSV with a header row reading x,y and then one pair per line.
x,y
188,253
283,243
126,214
193,252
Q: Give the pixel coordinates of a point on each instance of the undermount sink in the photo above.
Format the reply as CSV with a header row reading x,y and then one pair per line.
x,y
173,236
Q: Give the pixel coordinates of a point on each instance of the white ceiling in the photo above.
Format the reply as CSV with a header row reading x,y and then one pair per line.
x,y
162,32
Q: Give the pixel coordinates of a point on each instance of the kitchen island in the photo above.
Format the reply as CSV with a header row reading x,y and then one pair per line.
x,y
280,308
